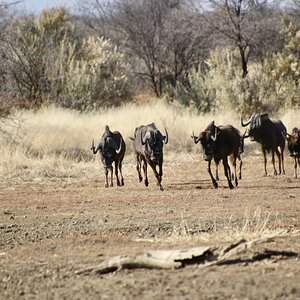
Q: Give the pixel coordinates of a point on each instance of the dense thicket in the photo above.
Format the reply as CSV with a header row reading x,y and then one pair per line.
x,y
242,55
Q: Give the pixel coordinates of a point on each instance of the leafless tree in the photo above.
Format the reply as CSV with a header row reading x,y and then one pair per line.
x,y
9,125
237,20
159,34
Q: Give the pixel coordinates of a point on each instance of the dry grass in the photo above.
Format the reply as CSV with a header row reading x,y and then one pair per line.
x,y
254,224
55,142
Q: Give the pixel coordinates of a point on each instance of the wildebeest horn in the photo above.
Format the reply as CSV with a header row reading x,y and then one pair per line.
x,y
120,148
93,147
214,137
245,135
166,139
145,137
247,123
196,139
98,146
286,135
106,130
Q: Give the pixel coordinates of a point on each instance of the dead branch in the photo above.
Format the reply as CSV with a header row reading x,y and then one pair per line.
x,y
175,258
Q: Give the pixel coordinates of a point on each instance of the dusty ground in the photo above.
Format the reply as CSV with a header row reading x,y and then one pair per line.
x,y
50,229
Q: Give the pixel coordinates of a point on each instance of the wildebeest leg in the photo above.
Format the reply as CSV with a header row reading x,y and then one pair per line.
x,y
273,162
211,175
295,165
265,160
116,172
217,170
241,164
279,161
234,176
228,176
120,169
138,167
111,176
282,159
160,171
145,172
158,177
106,177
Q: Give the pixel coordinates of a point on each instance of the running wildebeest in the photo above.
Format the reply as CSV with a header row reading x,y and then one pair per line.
x,y
271,135
111,148
241,150
148,147
219,142
293,141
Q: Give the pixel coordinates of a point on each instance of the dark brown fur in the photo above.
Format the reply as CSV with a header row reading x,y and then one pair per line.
x,y
219,143
148,147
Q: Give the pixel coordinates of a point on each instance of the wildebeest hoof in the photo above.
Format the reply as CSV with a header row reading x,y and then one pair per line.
x,y
140,179
106,185
146,183
231,186
215,185
161,188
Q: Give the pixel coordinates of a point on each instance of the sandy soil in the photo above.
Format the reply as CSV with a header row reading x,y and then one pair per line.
x,y
51,228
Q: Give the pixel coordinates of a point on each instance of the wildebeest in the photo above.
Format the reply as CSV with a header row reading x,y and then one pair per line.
x,y
112,148
148,144
219,142
239,157
293,141
271,135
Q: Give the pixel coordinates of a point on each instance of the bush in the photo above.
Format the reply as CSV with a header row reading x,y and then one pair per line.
x,y
46,63
222,87
99,77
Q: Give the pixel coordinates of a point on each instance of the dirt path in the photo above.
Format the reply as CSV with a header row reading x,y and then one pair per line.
x,y
50,229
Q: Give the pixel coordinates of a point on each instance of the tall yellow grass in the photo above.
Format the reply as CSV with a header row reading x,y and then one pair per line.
x,y
56,142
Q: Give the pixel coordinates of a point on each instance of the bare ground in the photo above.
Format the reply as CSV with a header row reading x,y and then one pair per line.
x,y
49,229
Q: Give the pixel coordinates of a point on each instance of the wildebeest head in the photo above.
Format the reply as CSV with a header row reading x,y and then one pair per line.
x,y
107,148
154,141
255,121
208,139
294,142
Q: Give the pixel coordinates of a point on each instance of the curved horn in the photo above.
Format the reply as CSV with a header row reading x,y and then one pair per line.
x,y
247,123
166,139
145,137
93,147
214,137
98,146
196,139
286,136
118,151
245,135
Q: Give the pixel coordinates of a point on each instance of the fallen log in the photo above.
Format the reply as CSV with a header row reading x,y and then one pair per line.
x,y
175,258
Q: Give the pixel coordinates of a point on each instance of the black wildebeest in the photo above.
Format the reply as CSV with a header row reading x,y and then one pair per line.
x,y
239,157
112,148
148,144
293,141
219,142
271,135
